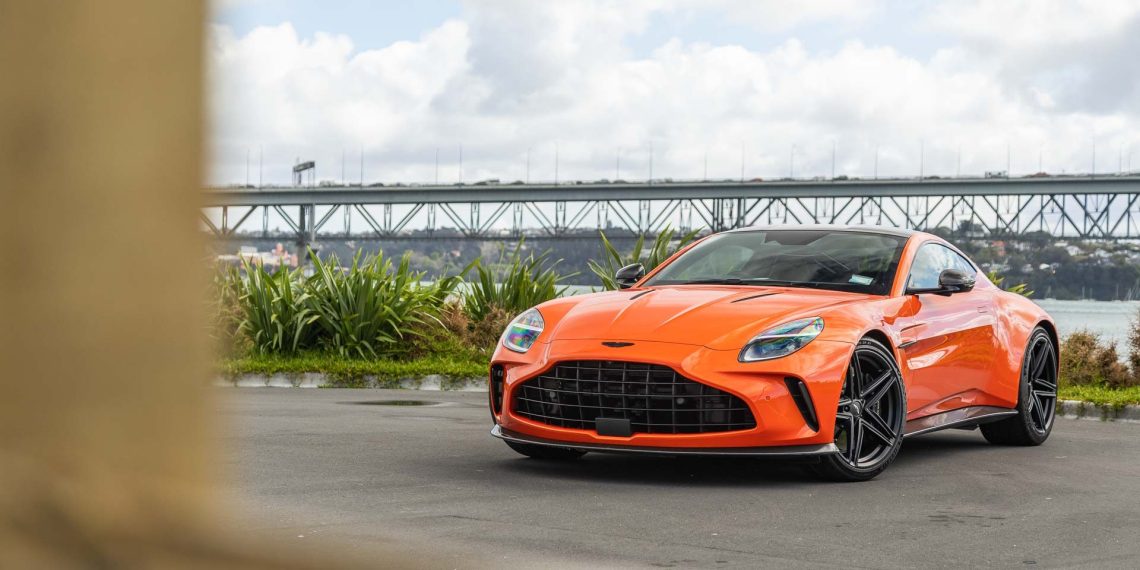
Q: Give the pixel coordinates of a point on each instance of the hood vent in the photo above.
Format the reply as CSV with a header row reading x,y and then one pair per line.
x,y
756,296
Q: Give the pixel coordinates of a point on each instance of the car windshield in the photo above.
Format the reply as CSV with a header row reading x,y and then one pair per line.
x,y
861,262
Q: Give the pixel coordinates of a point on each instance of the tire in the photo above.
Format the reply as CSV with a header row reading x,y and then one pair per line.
x,y
545,452
1036,399
873,405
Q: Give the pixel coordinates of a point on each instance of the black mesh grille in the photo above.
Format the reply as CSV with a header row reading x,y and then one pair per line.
x,y
654,398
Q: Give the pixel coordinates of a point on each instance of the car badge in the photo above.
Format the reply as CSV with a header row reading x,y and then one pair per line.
x,y
616,344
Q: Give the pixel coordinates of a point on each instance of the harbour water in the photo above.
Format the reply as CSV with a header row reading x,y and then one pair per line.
x,y
1110,319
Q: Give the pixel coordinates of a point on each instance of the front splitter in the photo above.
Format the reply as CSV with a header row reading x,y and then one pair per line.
x,y
774,451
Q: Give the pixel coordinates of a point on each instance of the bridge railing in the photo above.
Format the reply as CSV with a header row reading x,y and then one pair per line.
x,y
1103,207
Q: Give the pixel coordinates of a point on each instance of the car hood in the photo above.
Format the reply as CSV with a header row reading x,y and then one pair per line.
x,y
719,317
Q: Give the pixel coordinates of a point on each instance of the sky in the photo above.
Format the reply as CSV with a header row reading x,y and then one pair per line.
x,y
683,89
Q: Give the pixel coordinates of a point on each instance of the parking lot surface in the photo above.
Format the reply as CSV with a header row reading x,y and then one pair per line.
x,y
332,466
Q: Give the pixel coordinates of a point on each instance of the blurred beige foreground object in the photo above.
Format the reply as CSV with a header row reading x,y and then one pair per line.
x,y
105,455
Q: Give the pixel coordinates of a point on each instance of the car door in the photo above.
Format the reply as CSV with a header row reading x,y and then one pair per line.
x,y
948,342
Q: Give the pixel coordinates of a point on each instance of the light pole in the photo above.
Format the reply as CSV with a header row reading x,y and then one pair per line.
x,y
921,159
651,162
741,163
833,143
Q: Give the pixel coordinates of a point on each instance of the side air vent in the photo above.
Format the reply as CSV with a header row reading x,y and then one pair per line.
x,y
498,374
802,398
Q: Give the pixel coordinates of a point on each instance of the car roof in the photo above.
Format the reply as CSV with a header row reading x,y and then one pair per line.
x,y
898,232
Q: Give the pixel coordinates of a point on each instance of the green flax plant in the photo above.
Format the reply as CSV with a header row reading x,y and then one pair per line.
x,y
660,250
1020,288
371,309
514,284
274,311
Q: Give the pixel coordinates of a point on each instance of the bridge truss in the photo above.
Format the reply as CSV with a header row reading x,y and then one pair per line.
x,y
1083,208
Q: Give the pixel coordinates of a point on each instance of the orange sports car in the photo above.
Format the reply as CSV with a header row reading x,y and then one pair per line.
x,y
823,342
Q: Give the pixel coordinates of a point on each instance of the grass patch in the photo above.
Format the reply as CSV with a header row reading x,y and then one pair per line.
x,y
357,372
1102,395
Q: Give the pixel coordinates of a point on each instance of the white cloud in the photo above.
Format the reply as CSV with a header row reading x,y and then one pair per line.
x,y
1079,54
1034,24
513,76
781,15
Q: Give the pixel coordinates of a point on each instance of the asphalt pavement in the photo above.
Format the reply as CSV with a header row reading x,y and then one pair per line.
x,y
312,466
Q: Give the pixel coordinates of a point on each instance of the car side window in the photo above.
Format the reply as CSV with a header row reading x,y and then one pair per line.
x,y
929,262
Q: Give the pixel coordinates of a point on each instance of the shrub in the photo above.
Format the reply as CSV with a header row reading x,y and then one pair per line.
x,y
368,309
460,334
1134,348
226,312
612,259
1087,360
275,317
513,285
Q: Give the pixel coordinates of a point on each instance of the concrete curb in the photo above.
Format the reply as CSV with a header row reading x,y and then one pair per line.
x,y
431,382
1077,409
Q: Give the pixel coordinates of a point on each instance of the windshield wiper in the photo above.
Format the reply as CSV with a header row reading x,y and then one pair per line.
x,y
785,283
757,281
716,281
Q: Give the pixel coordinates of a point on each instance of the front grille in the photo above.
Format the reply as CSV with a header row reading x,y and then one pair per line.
x,y
655,399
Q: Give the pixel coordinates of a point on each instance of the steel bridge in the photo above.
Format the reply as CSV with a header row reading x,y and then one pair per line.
x,y
1083,207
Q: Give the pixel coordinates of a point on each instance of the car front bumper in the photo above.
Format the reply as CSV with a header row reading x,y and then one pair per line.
x,y
821,365
774,451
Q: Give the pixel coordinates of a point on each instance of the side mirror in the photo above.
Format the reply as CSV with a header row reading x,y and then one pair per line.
x,y
628,275
950,281
955,281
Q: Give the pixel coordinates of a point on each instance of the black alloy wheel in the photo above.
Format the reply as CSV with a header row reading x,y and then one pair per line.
x,y
1037,399
870,417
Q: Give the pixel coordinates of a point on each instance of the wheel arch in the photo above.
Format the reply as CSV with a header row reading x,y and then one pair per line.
x,y
884,338
881,337
1051,330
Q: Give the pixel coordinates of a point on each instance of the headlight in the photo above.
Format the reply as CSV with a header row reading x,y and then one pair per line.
x,y
523,331
782,340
